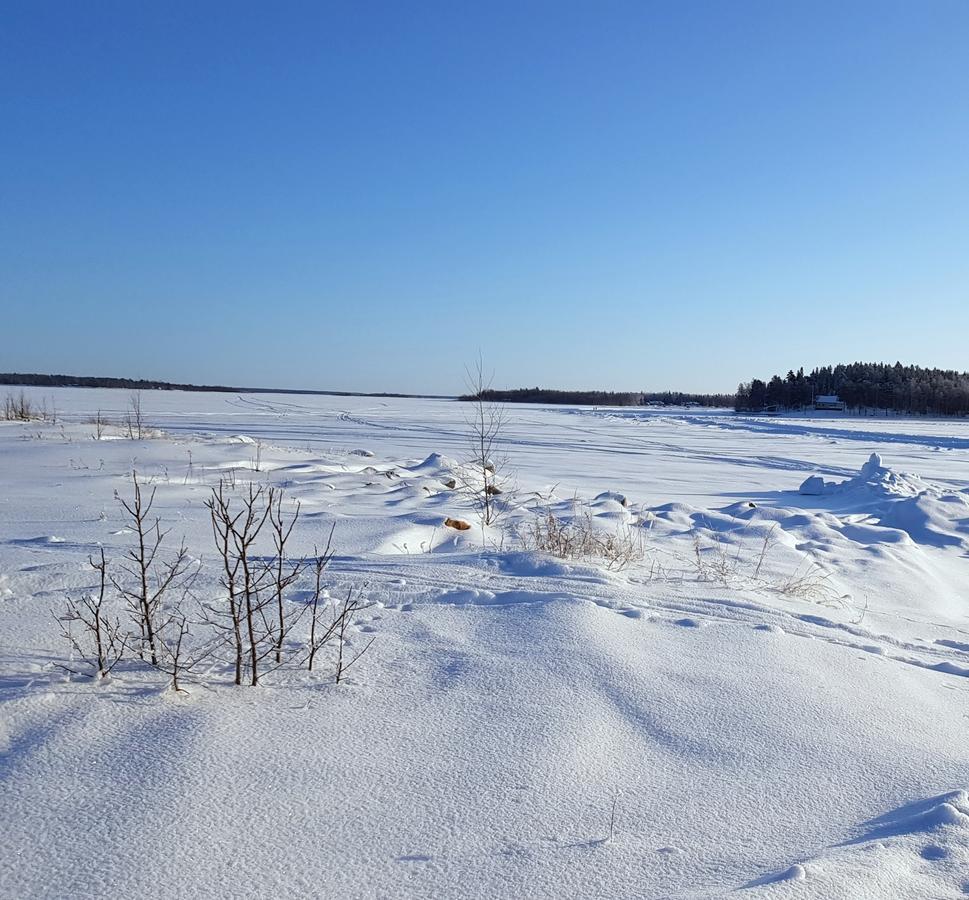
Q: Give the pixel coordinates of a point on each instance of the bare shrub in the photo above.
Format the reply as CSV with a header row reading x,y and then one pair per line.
x,y
248,582
145,579
101,644
19,408
180,652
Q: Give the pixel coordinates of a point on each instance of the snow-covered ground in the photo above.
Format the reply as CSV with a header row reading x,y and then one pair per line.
x,y
773,697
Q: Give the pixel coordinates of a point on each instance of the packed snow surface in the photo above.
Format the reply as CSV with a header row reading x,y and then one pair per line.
x,y
769,694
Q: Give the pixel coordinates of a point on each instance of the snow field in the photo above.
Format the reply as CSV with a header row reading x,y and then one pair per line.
x,y
774,698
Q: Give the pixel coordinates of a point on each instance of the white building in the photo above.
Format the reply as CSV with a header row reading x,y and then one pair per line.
x,y
829,401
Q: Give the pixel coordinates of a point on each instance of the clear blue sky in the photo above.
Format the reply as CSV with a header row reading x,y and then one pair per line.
x,y
362,195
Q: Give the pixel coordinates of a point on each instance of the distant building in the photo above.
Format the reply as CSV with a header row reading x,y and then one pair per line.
x,y
829,401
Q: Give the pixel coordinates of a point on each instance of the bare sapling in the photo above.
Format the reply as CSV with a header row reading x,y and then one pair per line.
x,y
283,574
485,480
344,619
224,523
180,652
102,642
251,624
173,660
319,635
144,578
134,418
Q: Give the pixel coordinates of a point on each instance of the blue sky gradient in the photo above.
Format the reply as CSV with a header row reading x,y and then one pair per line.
x,y
361,196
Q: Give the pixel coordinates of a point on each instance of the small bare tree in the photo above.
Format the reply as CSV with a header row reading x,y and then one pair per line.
x,y
144,580
180,652
134,419
98,422
319,635
247,581
283,575
102,642
484,479
224,525
344,619
173,658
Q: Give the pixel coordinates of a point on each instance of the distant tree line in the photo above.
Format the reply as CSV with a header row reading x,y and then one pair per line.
x,y
896,388
600,398
140,384
131,384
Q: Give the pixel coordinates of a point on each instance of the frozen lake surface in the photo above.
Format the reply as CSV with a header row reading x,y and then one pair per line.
x,y
772,696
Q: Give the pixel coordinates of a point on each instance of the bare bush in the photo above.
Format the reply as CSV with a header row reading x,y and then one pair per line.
x,y
247,581
145,579
19,408
102,641
180,652
252,620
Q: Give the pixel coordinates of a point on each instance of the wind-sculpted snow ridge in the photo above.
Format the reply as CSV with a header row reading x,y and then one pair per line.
x,y
919,849
769,700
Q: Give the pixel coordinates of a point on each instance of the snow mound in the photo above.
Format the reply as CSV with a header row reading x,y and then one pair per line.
x,y
610,497
436,462
899,501
874,477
